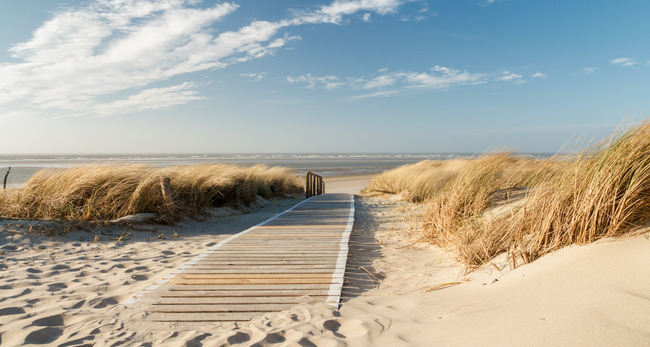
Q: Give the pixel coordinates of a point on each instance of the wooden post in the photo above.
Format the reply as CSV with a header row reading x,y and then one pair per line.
x,y
318,185
314,185
166,188
4,186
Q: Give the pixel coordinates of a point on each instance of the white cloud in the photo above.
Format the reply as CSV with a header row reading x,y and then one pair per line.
x,y
327,82
379,94
255,77
509,76
539,75
380,82
623,61
589,70
112,48
436,78
366,17
150,99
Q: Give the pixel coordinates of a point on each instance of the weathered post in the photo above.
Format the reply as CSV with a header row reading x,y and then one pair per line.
x,y
307,185
4,185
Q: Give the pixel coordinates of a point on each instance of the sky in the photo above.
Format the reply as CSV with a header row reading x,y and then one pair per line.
x,y
192,76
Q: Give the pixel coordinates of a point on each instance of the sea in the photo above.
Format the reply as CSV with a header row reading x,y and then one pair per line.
x,y
23,166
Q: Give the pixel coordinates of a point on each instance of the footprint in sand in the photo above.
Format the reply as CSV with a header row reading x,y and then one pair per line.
x,y
55,287
51,321
32,270
101,303
274,338
43,336
168,252
346,328
140,277
7,311
239,338
304,342
60,267
137,268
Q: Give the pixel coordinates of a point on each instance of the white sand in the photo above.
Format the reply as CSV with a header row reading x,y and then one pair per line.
x,y
399,292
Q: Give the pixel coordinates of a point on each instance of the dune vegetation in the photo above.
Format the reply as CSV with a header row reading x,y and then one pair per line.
x,y
106,192
499,203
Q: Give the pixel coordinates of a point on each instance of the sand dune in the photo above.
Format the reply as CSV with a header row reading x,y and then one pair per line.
x,y
66,290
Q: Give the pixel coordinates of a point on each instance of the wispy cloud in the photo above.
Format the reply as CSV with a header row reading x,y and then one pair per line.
x,y
85,55
327,82
510,76
150,99
589,70
255,77
539,75
623,61
436,78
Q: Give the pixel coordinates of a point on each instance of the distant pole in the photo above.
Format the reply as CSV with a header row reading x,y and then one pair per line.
x,y
4,186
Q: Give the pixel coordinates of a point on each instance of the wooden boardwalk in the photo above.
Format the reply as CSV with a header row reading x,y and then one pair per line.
x,y
296,257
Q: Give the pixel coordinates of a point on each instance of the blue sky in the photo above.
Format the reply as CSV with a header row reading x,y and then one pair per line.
x,y
318,76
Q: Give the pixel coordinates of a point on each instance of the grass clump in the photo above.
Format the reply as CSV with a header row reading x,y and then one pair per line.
x,y
105,192
500,203
605,192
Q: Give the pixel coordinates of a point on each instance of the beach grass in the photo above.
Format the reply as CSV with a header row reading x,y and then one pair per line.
x,y
500,203
106,192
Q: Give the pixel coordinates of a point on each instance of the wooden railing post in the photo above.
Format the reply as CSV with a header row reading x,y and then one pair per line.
x,y
307,181
314,185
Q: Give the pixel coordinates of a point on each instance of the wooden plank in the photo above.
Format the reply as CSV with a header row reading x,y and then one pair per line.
x,y
253,276
272,287
306,227
224,308
261,268
278,251
205,317
215,281
278,271
200,300
241,262
247,294
279,236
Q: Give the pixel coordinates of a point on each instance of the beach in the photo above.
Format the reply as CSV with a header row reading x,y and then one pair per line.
x,y
399,290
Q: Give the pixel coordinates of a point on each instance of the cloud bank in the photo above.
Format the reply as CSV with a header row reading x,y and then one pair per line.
x,y
82,57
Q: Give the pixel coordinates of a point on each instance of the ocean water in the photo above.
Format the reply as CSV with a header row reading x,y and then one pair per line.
x,y
326,164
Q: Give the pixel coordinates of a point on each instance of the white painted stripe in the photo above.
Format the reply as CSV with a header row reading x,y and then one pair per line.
x,y
194,260
334,293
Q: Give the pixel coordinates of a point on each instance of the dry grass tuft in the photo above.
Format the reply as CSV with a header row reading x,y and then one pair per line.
x,y
105,192
605,192
499,203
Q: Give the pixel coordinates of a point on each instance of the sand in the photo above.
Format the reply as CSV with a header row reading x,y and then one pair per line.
x,y
67,290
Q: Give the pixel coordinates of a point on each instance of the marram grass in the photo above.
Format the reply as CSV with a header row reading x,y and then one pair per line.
x,y
603,191
105,192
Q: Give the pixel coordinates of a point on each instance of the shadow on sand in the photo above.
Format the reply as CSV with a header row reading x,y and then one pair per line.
x,y
360,275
